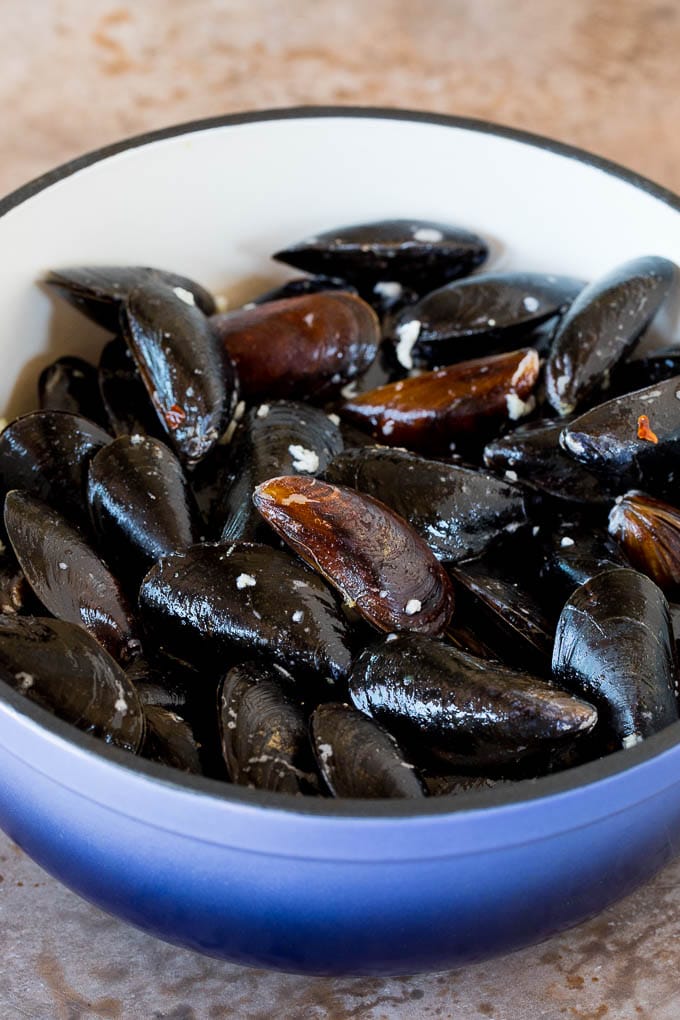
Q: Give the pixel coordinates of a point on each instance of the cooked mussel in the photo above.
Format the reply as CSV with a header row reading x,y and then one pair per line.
x,y
358,758
655,367
649,532
265,740
170,740
573,551
614,645
458,511
418,253
62,668
471,713
14,588
602,325
71,384
374,558
299,347
302,285
124,395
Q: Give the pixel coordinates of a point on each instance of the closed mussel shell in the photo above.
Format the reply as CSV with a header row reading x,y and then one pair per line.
x,y
614,646
218,599
140,503
574,550
68,576
458,511
375,559
469,712
99,291
71,384
419,253
358,758
124,395
601,326
299,347
170,740
649,533
655,367
302,285
265,739
62,668
192,387
281,438
476,316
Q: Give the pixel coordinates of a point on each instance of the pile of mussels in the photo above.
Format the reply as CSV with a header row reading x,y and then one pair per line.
x,y
308,546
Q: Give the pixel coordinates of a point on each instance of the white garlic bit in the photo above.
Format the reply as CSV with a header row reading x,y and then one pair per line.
x,y
245,581
407,335
412,607
304,459
185,295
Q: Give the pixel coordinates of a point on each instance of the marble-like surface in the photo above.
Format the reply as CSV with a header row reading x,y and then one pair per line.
x,y
74,75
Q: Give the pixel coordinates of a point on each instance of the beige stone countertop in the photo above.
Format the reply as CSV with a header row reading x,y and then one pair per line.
x,y
77,74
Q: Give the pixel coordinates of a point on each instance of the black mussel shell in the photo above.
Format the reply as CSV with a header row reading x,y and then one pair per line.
x,y
170,740
265,740
469,712
71,384
649,533
507,616
47,453
192,387
573,552
419,253
450,784
473,317
99,291
604,322
15,592
532,454
281,438
302,285
218,598
161,688
67,575
62,668
654,368
141,505
128,405
458,511
358,758
614,645
632,441
371,555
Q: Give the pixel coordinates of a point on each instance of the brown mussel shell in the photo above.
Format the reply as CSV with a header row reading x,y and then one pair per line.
x,y
469,712
140,503
63,669
265,740
71,384
218,599
99,291
170,740
299,347
124,396
649,532
418,253
472,317
192,388
47,453
374,558
358,758
430,411
602,325
68,576
458,511
614,645
281,438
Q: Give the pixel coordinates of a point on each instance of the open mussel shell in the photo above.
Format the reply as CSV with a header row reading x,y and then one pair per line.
x,y
632,441
62,668
419,253
649,533
431,411
218,599
71,384
375,559
99,291
614,645
299,347
358,758
140,503
469,712
47,453
302,285
504,613
124,395
280,438
601,326
265,739
68,576
458,511
170,740
532,454
476,316
192,387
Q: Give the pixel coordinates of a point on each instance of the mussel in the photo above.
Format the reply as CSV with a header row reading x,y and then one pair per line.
x,y
170,740
649,532
124,395
375,559
71,384
302,285
574,550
